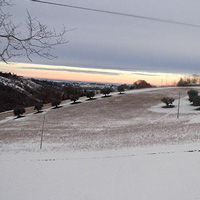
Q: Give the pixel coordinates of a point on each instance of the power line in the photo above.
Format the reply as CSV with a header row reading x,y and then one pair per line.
x,y
117,13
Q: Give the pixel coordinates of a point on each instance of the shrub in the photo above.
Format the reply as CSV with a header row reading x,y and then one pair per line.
x,y
168,101
106,91
55,103
71,90
121,88
90,94
38,107
74,97
192,94
18,111
196,101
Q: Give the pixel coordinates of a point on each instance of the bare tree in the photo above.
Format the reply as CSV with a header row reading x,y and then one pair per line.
x,y
36,38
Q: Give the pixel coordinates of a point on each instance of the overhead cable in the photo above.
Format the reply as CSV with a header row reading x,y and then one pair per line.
x,y
117,13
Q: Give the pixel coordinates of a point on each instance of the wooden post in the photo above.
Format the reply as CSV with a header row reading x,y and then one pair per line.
x,y
179,100
42,132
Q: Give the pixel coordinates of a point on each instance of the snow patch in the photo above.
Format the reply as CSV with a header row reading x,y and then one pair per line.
x,y
185,107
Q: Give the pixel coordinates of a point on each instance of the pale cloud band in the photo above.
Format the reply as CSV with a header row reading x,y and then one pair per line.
x,y
71,73
146,74
72,70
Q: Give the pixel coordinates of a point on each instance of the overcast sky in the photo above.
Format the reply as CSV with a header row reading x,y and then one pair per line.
x,y
106,41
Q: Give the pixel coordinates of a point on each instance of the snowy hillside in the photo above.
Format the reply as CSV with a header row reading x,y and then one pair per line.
x,y
121,147
16,90
19,84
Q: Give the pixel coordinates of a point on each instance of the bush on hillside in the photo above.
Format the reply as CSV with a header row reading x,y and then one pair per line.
x,y
55,103
74,97
18,111
192,94
38,107
168,101
90,94
121,88
196,101
106,91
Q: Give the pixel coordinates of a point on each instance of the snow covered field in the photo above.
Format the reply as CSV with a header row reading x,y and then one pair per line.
x,y
150,173
122,147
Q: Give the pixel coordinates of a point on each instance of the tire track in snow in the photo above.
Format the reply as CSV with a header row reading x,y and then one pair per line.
x,y
102,157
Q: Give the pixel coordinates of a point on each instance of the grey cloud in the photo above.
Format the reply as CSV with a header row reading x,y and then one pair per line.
x,y
112,42
72,70
144,74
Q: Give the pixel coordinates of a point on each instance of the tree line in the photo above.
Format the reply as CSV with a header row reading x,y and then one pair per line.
x,y
74,93
189,81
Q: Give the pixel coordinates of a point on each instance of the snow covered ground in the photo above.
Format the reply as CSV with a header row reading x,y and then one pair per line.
x,y
122,147
157,173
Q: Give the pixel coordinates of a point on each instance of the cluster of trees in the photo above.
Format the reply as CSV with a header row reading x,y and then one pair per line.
x,y
74,95
10,98
54,93
142,84
20,110
48,91
8,75
194,97
189,81
107,90
22,92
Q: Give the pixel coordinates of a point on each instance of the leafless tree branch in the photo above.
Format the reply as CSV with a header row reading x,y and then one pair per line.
x,y
38,40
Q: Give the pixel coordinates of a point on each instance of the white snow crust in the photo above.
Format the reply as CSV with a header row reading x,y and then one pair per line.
x,y
157,173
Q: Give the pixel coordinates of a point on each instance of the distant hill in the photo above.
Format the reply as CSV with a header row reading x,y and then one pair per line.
x,y
19,91
16,90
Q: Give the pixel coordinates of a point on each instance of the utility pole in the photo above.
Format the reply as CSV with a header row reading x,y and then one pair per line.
x,y
179,100
42,132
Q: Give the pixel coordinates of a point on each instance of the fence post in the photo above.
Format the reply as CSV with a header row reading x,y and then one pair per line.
x,y
179,99
42,132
